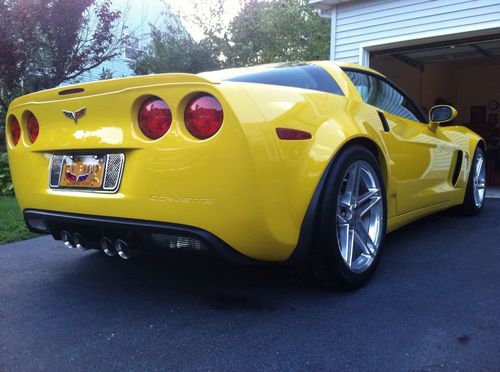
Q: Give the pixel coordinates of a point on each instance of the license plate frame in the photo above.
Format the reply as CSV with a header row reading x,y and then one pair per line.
x,y
86,172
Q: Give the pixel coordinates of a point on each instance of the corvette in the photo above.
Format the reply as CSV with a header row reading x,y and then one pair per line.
x,y
309,163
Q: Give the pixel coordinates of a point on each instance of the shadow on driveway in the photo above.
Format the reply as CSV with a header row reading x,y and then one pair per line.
x,y
433,303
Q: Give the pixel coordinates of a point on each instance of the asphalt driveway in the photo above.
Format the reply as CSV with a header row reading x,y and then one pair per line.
x,y
433,305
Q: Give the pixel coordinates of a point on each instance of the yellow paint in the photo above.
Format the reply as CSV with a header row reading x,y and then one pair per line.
x,y
244,185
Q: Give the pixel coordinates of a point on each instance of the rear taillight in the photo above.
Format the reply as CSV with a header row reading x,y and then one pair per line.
x,y
203,116
33,128
15,130
155,118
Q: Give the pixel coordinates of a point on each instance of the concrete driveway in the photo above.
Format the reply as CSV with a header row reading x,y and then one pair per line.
x,y
433,305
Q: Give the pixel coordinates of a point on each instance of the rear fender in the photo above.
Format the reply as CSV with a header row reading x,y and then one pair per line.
x,y
280,164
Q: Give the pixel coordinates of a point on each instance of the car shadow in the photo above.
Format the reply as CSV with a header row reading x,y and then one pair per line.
x,y
409,253
433,295
204,280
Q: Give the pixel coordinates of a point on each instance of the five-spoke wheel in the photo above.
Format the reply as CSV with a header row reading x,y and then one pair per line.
x,y
476,185
479,179
351,221
359,216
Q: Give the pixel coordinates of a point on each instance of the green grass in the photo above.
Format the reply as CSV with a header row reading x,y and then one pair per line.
x,y
12,226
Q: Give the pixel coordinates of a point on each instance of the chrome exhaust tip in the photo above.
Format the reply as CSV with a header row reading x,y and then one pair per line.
x,y
107,246
67,239
79,241
124,250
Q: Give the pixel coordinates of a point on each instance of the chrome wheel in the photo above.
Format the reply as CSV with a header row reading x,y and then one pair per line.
x,y
479,179
360,214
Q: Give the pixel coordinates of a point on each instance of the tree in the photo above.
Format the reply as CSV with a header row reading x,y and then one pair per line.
x,y
46,42
264,31
276,31
173,50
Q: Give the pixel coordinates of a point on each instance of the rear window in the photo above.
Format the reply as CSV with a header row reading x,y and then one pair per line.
x,y
298,76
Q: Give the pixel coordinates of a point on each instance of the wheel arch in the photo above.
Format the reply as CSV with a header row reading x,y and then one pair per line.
x,y
481,144
301,251
376,151
474,143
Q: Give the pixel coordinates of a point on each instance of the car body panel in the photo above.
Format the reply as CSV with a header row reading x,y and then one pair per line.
x,y
244,185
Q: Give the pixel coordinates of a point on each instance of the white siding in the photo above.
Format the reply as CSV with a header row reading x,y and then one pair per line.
x,y
359,23
137,16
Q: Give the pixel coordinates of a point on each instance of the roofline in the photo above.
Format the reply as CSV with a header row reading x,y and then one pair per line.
x,y
326,4
343,65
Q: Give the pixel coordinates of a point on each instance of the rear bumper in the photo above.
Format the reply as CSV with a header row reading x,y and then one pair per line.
x,y
243,185
94,227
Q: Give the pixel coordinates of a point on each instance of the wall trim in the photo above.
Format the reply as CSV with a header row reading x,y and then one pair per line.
x,y
424,38
333,31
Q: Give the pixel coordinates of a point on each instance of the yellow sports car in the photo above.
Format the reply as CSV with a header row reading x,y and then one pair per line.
x,y
308,163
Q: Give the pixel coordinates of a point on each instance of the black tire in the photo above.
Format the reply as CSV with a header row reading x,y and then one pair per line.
x,y
469,207
326,264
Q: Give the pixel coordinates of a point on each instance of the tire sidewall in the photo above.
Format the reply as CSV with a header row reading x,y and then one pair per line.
x,y
331,269
469,205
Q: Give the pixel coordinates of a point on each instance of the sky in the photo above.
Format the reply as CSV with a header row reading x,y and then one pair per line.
x,y
231,9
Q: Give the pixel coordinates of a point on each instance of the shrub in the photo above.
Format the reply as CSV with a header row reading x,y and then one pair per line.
x,y
3,144
6,187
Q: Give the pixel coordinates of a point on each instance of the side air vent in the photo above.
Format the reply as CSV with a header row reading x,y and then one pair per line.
x,y
458,166
383,120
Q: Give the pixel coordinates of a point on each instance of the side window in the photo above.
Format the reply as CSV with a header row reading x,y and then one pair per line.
x,y
378,93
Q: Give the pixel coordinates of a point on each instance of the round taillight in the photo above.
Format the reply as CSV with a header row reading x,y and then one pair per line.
x,y
15,130
33,128
155,118
203,116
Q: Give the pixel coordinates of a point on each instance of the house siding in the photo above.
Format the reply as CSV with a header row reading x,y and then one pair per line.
x,y
358,23
137,17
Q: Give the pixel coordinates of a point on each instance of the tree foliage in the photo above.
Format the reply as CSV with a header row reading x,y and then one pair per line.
x,y
46,42
6,187
276,31
173,50
264,31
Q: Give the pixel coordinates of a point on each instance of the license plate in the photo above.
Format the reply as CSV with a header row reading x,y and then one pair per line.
x,y
83,171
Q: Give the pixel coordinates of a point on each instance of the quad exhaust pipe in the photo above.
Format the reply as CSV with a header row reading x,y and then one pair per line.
x,y
80,242
75,240
67,239
120,247
124,249
107,246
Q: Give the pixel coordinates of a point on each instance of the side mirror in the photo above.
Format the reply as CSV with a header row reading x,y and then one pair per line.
x,y
441,114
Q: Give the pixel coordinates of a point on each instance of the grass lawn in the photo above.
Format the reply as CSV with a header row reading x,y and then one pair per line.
x,y
12,225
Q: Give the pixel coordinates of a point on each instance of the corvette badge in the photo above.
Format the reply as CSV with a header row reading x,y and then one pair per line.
x,y
75,115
